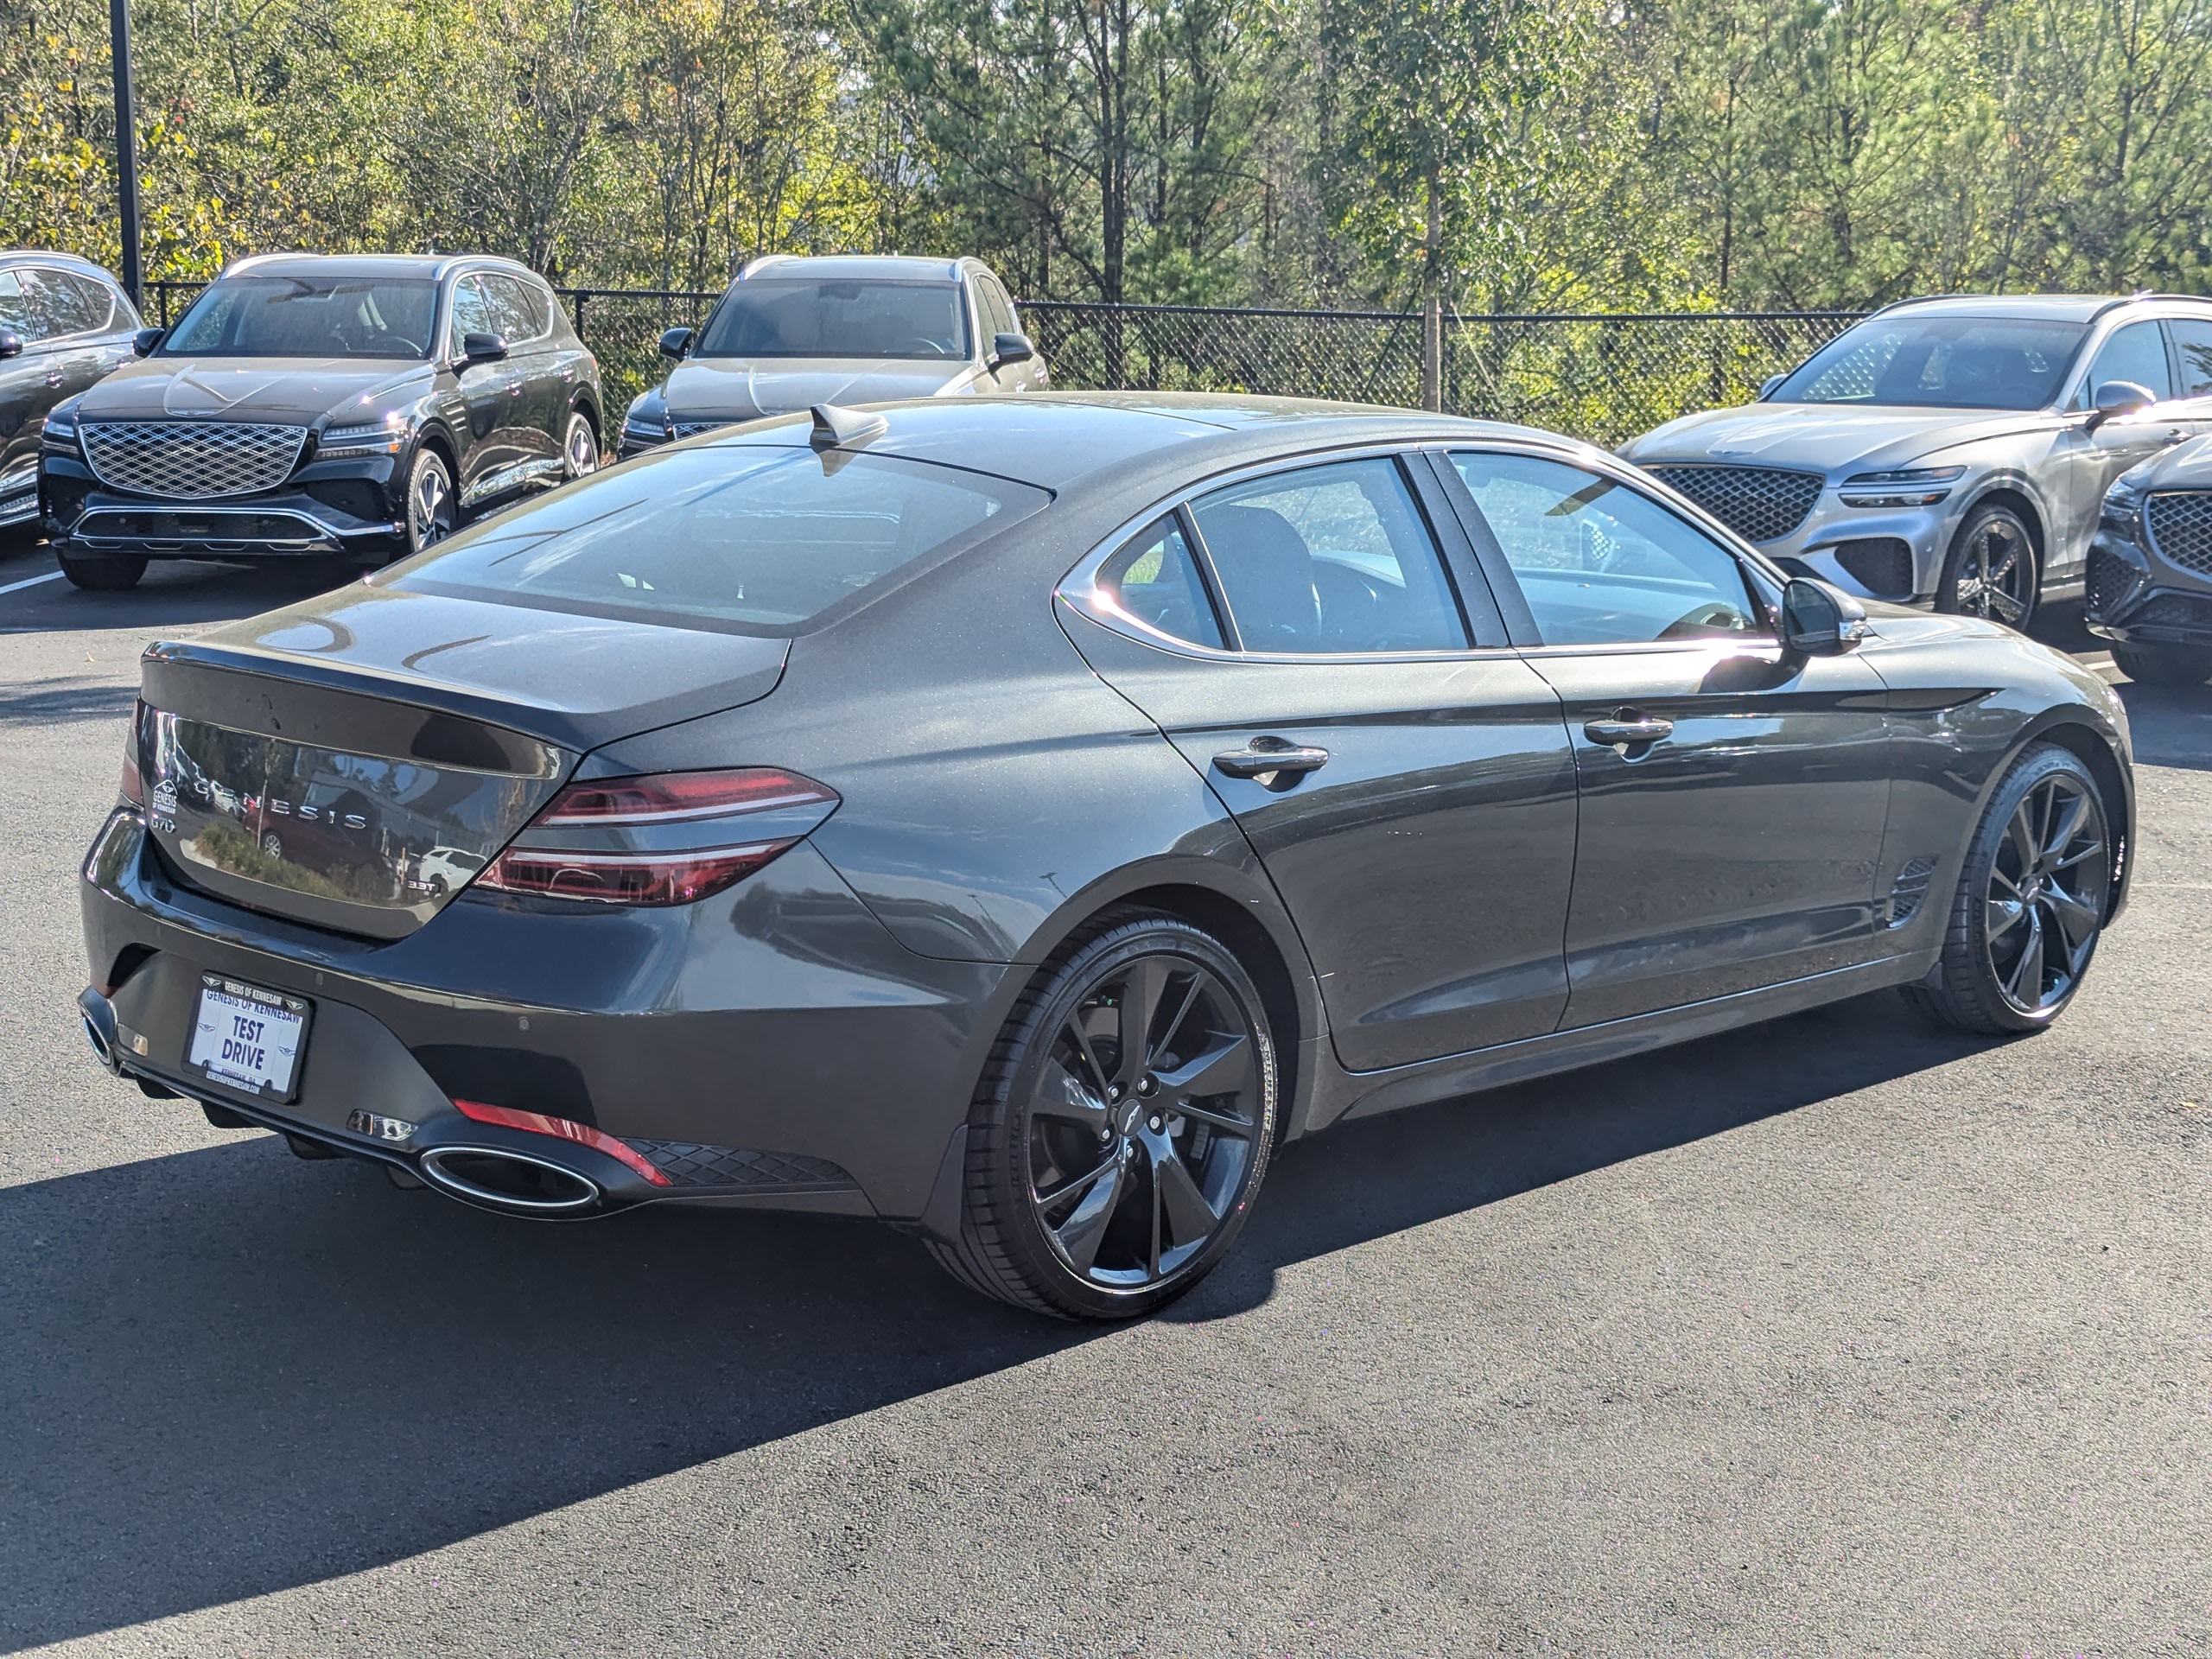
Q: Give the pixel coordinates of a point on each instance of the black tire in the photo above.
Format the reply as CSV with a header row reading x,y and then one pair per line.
x,y
432,509
2165,664
1124,1237
2037,876
1992,570
580,448
101,573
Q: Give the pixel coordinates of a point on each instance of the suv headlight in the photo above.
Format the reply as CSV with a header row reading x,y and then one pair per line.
x,y
1910,487
2122,517
383,437
58,433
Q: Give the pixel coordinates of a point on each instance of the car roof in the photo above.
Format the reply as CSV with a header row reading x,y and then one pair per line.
x,y
53,256
1060,440
429,266
883,267
2057,308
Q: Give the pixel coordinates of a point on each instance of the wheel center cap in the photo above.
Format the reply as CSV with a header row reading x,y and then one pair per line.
x,y
1132,1114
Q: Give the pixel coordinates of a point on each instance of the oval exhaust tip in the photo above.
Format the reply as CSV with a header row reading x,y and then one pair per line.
x,y
102,1049
509,1181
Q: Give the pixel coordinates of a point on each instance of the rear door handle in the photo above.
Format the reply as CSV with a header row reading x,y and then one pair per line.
x,y
1267,758
1626,729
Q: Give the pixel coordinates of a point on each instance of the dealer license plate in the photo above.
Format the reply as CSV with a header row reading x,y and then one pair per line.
x,y
247,1037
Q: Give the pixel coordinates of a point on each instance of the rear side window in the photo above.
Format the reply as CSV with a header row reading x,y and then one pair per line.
x,y
1331,558
2192,338
1600,564
1153,580
742,538
36,304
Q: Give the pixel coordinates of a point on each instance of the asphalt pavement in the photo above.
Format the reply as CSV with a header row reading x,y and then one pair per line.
x,y
1837,1335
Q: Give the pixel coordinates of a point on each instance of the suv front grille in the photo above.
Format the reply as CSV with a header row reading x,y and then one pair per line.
x,y
2181,529
693,429
191,460
1758,503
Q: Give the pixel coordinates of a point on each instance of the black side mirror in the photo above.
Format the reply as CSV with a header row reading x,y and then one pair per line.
x,y
2117,397
11,345
1818,621
1011,347
483,348
147,341
676,343
1767,385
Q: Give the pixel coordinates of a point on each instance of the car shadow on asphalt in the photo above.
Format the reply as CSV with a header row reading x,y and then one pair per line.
x,y
174,592
228,1372
2171,724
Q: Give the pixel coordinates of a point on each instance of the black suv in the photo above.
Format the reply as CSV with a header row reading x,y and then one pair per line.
x,y
64,322
333,407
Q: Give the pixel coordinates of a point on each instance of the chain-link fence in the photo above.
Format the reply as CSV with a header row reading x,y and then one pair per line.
x,y
1604,378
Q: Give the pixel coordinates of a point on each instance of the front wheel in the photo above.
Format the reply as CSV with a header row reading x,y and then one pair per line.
x,y
1121,1127
430,506
580,449
2165,664
1991,569
101,573
2031,901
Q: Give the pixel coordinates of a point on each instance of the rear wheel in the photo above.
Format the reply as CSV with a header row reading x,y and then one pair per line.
x,y
1991,569
101,573
2031,901
1121,1127
2165,664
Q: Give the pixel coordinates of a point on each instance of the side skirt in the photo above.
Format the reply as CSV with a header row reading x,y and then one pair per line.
x,y
1365,1094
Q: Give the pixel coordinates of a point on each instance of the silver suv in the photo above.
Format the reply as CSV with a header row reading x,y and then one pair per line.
x,y
1952,451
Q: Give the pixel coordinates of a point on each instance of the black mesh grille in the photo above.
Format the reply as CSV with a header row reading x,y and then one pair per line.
x,y
2181,529
686,1163
2112,582
1880,564
2173,611
1757,503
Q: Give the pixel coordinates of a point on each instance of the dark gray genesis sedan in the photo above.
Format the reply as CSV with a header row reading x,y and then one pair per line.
x,y
1016,818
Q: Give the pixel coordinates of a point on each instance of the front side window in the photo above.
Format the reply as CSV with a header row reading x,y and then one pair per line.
x,y
1600,564
39,304
2136,354
786,317
1154,580
517,310
1946,362
471,314
308,316
743,538
1330,558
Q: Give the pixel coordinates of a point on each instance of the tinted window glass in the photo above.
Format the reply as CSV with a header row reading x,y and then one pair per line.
x,y
1600,564
304,316
770,316
998,310
1155,581
2193,344
100,301
2136,353
472,312
1939,362
73,304
518,311
1329,558
757,539
20,313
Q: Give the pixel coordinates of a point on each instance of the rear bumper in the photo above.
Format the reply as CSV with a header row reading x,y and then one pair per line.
x,y
772,1046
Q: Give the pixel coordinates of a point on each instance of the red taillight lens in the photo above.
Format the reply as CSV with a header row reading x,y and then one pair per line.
x,y
567,1129
671,838
134,786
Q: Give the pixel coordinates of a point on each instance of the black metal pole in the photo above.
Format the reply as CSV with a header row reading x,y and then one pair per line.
x,y
126,147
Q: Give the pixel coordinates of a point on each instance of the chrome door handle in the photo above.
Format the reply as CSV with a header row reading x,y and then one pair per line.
x,y
1626,729
514,388
53,377
1267,758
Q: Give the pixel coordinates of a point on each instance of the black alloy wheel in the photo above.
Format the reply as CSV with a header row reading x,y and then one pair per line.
x,y
2030,903
580,449
1992,570
2165,664
431,512
1121,1127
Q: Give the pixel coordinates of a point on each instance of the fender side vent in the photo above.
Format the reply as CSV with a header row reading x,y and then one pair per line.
x,y
1909,889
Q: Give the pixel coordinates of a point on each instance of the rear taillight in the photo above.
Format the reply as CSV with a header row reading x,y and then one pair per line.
x,y
507,1117
668,839
134,786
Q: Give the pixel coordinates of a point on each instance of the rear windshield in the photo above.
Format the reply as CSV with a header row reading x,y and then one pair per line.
x,y
1939,363
741,539
779,316
303,316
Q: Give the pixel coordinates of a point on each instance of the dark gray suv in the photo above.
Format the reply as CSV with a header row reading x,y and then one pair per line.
x,y
64,322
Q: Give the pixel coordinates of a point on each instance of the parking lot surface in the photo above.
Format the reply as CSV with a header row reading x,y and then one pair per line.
x,y
1837,1335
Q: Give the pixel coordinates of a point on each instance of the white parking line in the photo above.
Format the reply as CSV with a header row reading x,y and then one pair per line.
x,y
31,581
